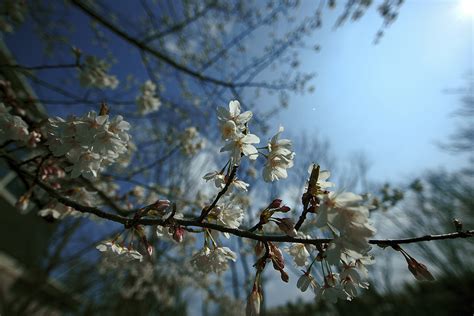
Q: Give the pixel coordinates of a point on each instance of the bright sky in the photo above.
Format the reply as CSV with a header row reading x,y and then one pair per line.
x,y
387,100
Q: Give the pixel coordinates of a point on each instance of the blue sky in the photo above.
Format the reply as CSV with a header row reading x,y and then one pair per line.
x,y
388,100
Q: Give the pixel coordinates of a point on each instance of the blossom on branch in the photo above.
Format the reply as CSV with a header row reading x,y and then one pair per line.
x,y
93,73
213,260
280,157
12,127
147,101
90,143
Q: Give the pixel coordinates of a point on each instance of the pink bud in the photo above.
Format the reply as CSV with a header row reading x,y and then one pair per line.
x,y
275,204
160,205
284,209
254,301
178,234
149,250
287,226
259,248
419,270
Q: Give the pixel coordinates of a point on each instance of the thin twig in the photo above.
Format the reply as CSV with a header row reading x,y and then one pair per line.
x,y
206,211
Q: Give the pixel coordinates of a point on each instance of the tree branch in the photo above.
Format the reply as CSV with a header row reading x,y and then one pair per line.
x,y
143,46
241,232
234,231
206,211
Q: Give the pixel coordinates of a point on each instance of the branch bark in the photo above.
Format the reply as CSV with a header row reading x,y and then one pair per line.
x,y
242,232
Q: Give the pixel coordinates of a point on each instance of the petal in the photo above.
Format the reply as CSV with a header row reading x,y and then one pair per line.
x,y
244,117
234,108
222,113
250,139
250,151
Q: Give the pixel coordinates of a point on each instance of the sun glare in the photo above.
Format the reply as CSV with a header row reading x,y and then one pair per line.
x,y
466,8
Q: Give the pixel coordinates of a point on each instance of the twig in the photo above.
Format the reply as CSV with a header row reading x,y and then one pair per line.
x,y
234,231
241,232
206,211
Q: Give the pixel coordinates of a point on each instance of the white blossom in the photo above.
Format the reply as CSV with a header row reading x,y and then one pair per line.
x,y
349,220
89,143
299,253
331,290
233,114
120,251
229,215
49,212
191,141
280,157
243,145
213,260
147,101
304,281
93,73
322,177
220,181
12,127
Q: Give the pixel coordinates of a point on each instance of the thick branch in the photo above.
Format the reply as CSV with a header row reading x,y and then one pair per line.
x,y
240,232
39,67
234,231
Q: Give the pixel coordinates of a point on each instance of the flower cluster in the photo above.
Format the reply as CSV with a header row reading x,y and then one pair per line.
x,y
191,142
239,142
347,219
120,251
349,222
13,127
234,131
229,215
221,179
89,143
280,157
93,73
214,260
55,210
147,101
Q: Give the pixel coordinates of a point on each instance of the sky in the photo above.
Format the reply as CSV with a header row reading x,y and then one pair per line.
x,y
388,100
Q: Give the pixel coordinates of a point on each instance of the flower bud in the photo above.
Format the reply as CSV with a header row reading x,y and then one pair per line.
x,y
259,248
287,226
160,205
284,209
419,270
23,202
304,281
253,302
178,234
457,224
276,203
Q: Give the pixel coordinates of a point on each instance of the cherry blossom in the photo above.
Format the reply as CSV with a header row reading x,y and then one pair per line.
x,y
12,127
147,101
90,143
93,73
280,158
213,260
